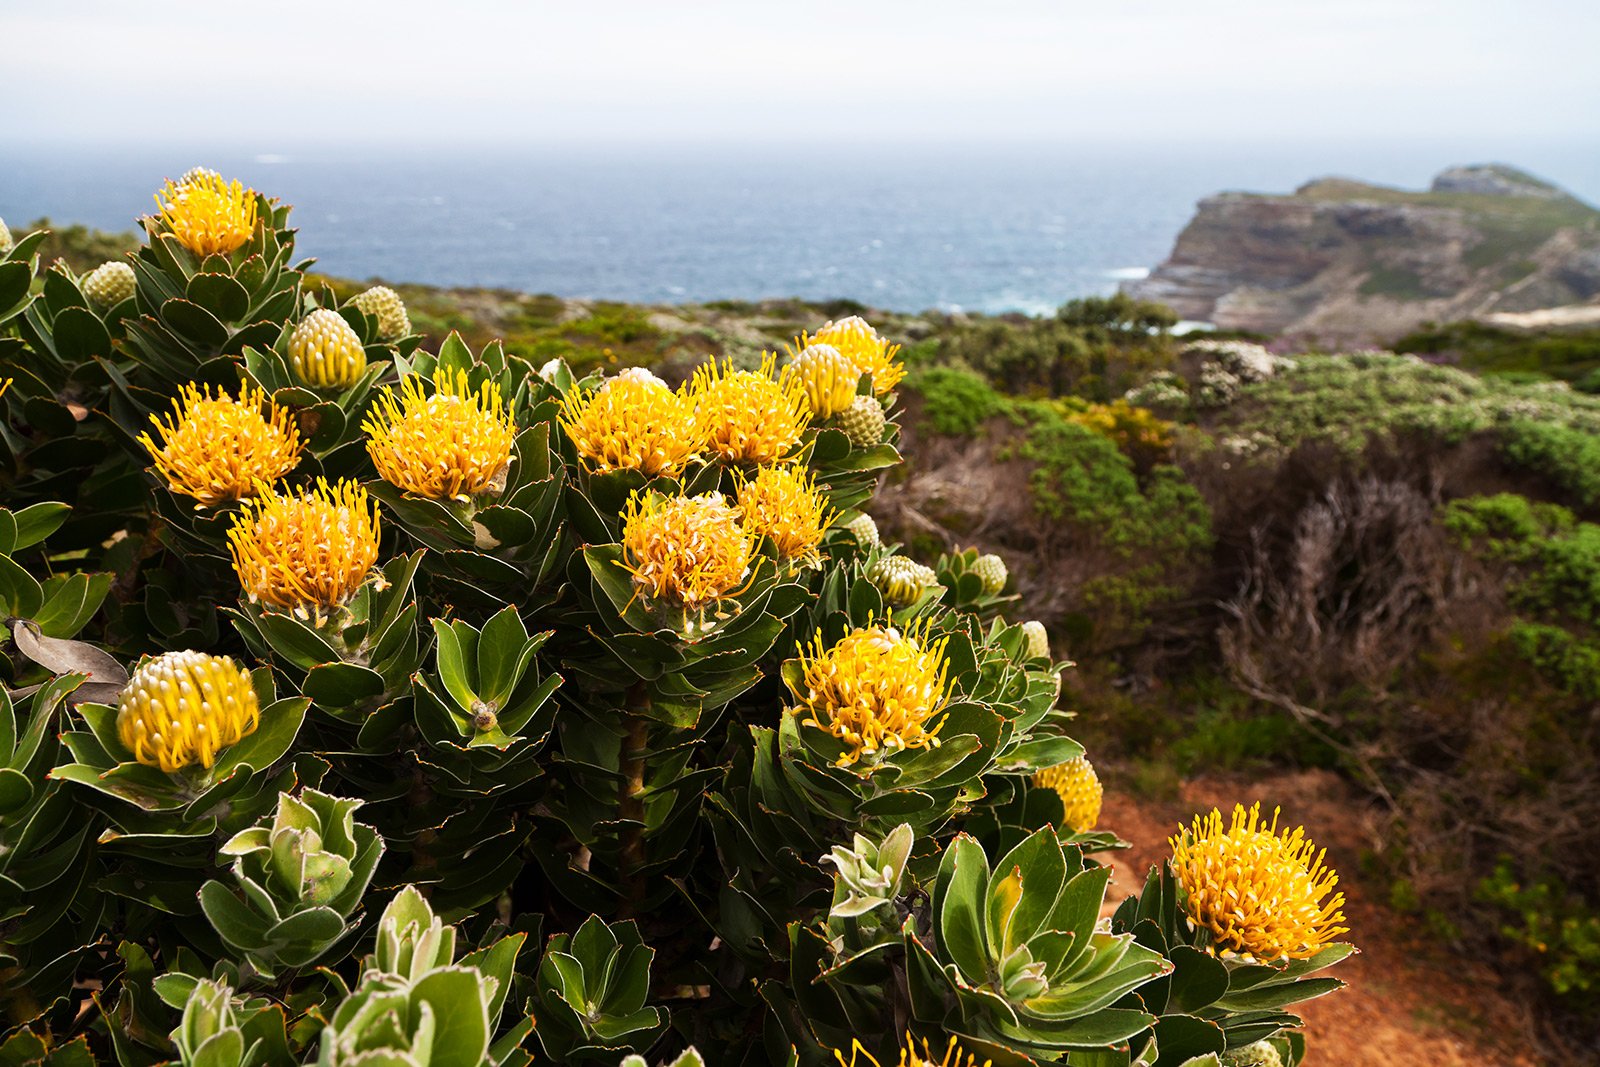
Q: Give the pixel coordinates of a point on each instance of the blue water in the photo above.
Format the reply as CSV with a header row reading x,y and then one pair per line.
x,y
1013,227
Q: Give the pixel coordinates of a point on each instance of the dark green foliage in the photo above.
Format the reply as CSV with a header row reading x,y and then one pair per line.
x,y
955,402
1553,925
1568,457
1572,355
1096,348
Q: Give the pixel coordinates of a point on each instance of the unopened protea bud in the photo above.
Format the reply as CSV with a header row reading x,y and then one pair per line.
x,y
862,422
1038,641
865,530
1079,788
828,379
5,238
991,571
385,305
1260,1054
109,284
324,351
901,580
180,708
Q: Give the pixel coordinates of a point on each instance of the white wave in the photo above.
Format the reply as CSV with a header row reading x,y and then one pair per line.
x,y
1128,273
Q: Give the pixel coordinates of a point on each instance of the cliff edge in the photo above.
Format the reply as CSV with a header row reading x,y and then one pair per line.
x,y
1346,261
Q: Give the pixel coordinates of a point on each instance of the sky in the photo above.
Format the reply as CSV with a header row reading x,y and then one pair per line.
x,y
402,71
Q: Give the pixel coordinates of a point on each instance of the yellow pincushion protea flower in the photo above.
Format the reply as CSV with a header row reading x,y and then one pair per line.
x,y
861,344
454,444
305,552
208,216
826,376
687,550
325,352
1259,892
913,1056
181,708
632,422
878,690
749,416
217,448
1079,788
785,504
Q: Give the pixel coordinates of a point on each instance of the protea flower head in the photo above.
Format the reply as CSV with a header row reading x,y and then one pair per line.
x,y
208,216
1259,892
827,377
863,422
307,552
879,690
901,580
784,504
109,284
1260,1054
325,352
1079,788
687,550
385,305
864,528
452,444
862,345
632,422
217,448
749,416
181,708
991,571
913,1055
1038,639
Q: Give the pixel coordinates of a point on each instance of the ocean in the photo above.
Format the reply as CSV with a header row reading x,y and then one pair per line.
x,y
959,227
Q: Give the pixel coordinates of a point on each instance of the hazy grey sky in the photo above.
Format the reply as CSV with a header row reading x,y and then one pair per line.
x,y
287,70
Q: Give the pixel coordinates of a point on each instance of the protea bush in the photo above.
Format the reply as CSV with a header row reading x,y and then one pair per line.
x,y
372,705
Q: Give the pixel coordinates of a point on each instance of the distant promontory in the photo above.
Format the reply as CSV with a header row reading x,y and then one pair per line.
x,y
1347,261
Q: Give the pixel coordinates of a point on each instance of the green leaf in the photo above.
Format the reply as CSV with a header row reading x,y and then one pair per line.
x,y
462,1035
340,685
452,663
963,879
500,649
280,723
36,522
220,295
229,916
80,336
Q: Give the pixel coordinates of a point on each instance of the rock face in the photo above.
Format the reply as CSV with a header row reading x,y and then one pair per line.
x,y
1344,261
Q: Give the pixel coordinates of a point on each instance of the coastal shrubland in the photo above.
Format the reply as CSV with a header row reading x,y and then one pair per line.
x,y
376,699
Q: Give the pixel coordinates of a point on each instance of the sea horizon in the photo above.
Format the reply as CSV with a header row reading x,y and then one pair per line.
x,y
982,227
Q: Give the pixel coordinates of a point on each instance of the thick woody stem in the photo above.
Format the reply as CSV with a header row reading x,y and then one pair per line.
x,y
630,796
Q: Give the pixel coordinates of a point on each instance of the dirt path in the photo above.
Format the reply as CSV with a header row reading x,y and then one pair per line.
x,y
1408,1002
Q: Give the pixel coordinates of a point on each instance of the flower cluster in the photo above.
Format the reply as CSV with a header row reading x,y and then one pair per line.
x,y
217,448
749,416
688,550
306,552
872,354
878,690
452,444
1079,788
208,216
785,505
1259,892
180,708
632,422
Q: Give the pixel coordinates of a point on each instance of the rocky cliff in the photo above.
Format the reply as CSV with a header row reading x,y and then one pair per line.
x,y
1346,261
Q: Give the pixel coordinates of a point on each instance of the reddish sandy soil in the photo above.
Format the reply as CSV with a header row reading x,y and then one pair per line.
x,y
1408,1001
